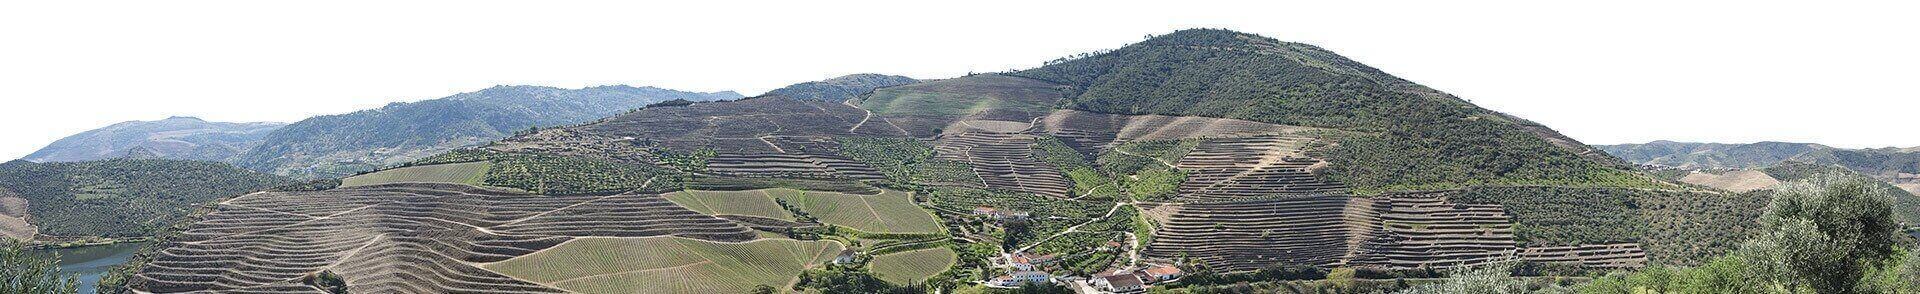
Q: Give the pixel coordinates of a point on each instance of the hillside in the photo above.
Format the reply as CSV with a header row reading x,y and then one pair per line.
x,y
1900,167
840,88
172,138
1217,151
1409,137
338,145
121,197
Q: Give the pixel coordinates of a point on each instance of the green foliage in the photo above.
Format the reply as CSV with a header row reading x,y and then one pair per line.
x,y
123,197
906,161
1906,205
21,272
551,174
1421,138
851,281
401,131
690,162
1465,153
1086,180
1144,168
1675,227
326,281
1826,232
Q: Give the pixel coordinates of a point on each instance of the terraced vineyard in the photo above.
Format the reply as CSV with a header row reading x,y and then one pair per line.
x,y
402,237
1251,167
470,173
1393,231
1004,160
668,264
924,109
913,267
887,212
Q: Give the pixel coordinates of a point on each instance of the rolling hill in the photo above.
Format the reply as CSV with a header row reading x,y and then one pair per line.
x,y
1216,150
172,138
1896,166
119,197
339,145
840,88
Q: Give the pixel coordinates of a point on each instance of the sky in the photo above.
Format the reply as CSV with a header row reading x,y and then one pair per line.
x,y
1832,72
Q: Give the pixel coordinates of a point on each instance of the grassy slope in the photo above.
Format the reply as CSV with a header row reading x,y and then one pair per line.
x,y
471,173
1406,136
668,264
888,212
912,267
123,197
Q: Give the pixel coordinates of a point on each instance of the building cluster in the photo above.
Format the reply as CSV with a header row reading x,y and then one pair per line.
x,y
1135,280
1025,268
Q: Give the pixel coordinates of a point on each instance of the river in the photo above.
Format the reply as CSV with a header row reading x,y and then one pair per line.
x,y
90,262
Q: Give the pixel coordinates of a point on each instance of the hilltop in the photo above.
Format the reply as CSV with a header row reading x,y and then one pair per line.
x,y
840,88
174,138
337,145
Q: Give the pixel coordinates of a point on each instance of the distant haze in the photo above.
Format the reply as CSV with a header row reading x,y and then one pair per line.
x,y
1623,72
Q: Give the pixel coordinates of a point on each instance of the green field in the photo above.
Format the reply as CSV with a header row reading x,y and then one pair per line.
x,y
668,264
888,212
963,96
750,203
913,267
471,173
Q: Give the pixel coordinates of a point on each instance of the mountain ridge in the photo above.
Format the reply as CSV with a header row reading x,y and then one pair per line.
x,y
177,137
341,144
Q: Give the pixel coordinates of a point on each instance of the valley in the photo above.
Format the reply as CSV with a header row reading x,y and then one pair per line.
x,y
1189,162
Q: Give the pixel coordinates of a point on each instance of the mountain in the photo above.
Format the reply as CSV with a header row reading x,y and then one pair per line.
x,y
174,138
1408,136
840,88
1897,166
117,197
1211,150
335,145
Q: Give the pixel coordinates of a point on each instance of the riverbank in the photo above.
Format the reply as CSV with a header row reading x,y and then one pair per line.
x,y
87,242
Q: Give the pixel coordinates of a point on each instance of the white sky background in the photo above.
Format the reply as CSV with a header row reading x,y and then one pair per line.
x,y
1838,73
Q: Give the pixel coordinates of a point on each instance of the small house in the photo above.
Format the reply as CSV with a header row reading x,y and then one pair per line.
x,y
1121,283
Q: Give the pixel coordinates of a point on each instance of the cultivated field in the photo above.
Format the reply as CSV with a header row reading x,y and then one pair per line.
x,y
668,264
1391,231
402,238
470,173
1737,181
13,214
748,203
1003,160
923,109
887,212
912,267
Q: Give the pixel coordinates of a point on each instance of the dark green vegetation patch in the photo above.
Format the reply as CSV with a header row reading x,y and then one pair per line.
x,y
123,197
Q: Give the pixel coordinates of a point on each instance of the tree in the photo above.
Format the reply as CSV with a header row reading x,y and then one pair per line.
x,y
1825,233
27,274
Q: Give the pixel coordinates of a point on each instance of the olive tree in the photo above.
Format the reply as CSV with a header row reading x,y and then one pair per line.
x,y
1824,233
28,274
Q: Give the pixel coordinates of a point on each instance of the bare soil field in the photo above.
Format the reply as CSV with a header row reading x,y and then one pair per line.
x,y
1736,181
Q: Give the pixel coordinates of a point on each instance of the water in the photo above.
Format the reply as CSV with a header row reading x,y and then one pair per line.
x,y
90,262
